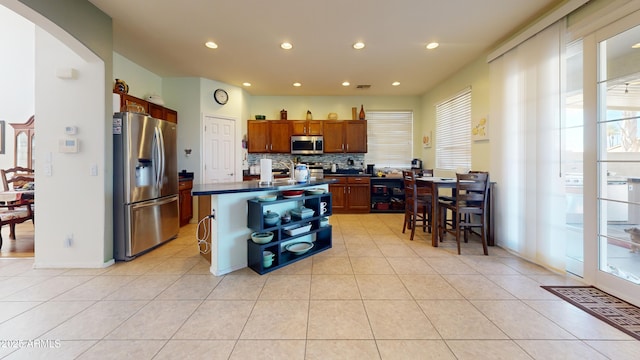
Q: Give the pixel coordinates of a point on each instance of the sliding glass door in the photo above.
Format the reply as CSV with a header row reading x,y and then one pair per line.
x,y
618,161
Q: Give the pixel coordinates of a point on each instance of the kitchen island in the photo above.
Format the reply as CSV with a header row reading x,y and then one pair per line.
x,y
223,210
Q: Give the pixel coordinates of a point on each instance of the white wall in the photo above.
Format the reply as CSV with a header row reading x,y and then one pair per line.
x,y
67,201
70,202
17,37
141,81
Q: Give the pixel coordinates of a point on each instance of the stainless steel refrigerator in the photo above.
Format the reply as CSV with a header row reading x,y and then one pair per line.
x,y
145,183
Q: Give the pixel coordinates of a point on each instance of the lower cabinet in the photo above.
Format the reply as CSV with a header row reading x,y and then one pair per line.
x,y
351,194
319,234
186,201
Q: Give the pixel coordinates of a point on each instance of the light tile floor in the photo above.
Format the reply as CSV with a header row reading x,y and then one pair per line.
x,y
374,295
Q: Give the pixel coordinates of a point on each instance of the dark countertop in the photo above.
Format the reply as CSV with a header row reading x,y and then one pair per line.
x,y
348,174
250,186
185,176
390,178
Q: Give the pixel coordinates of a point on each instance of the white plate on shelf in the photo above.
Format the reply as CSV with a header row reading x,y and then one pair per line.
x,y
299,248
315,191
298,229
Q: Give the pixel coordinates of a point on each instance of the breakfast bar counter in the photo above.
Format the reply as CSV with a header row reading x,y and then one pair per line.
x,y
222,218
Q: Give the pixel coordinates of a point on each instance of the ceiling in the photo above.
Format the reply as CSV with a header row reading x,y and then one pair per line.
x,y
167,37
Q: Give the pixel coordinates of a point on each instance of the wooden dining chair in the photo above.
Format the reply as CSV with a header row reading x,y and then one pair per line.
x,y
15,213
417,204
469,208
16,178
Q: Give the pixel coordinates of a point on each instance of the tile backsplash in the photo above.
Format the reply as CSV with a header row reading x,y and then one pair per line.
x,y
341,160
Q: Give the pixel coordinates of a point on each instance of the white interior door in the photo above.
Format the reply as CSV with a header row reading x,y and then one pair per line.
x,y
219,163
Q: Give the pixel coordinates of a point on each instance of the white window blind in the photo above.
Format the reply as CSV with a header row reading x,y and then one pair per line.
x,y
453,132
390,136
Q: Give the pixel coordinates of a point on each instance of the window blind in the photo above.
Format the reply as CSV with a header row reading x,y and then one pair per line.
x,y
390,136
453,132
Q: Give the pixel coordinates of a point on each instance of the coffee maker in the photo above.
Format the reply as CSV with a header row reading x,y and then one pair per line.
x,y
416,164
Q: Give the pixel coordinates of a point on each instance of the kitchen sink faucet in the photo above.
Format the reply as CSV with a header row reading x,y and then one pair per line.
x,y
291,166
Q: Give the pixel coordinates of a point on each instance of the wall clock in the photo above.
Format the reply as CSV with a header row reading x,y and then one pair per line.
x,y
220,96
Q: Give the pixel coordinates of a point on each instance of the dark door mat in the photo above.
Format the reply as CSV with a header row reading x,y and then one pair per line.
x,y
608,308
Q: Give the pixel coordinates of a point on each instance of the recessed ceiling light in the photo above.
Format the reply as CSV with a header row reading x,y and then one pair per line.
x,y
246,84
346,83
286,46
211,45
636,46
297,84
395,83
359,45
432,45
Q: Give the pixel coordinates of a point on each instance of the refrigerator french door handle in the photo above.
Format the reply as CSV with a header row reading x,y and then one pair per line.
x,y
163,157
157,159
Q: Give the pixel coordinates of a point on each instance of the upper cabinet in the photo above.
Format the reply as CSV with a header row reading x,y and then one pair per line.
x,y
132,103
274,136
306,127
268,136
345,136
24,141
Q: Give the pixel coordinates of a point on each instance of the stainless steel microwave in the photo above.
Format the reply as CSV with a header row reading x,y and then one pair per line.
x,y
307,145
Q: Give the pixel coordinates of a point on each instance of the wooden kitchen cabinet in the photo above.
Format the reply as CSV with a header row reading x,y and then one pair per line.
x,y
355,135
130,103
345,136
268,136
186,201
350,194
280,133
333,138
338,191
161,112
306,127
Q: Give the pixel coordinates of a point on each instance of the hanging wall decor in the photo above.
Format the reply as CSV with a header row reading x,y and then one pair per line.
x,y
480,129
426,139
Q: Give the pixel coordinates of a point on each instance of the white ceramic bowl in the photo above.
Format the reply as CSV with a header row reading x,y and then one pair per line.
x,y
262,237
267,198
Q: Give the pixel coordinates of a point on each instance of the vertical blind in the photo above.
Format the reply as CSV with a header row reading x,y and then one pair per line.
x,y
390,137
526,91
453,132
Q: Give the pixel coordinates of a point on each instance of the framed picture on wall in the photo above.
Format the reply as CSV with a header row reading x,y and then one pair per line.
x,y
426,139
480,129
